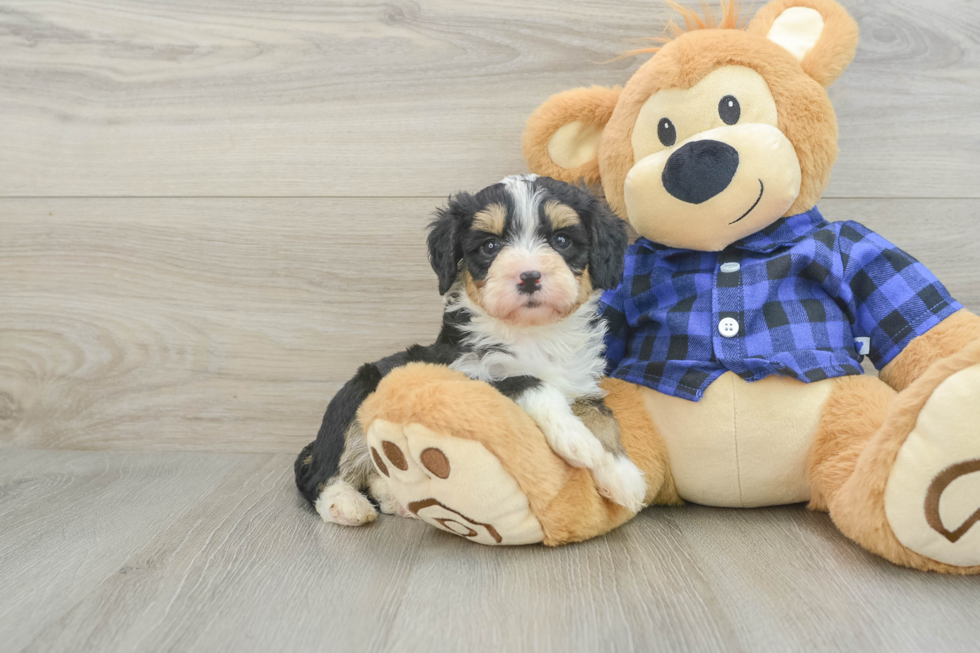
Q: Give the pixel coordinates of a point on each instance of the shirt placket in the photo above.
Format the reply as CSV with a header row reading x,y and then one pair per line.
x,y
729,311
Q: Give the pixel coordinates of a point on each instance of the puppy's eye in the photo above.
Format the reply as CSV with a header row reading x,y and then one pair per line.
x,y
490,247
666,132
729,110
561,241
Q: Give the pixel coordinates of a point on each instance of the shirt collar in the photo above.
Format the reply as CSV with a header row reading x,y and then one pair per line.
x,y
782,231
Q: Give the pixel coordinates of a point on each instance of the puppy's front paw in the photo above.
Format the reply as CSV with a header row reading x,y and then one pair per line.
x,y
620,481
340,503
577,446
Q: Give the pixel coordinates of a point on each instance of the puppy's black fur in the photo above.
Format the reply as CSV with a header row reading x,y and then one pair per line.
x,y
320,460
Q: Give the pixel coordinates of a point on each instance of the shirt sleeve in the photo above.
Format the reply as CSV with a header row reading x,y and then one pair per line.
x,y
892,297
612,310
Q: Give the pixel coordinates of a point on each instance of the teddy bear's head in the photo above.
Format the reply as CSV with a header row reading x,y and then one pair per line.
x,y
725,130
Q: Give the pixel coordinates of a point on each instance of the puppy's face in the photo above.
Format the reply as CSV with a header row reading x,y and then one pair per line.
x,y
528,250
524,261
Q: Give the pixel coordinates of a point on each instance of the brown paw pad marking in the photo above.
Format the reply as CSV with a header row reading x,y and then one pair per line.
x,y
463,526
934,494
435,461
380,464
394,455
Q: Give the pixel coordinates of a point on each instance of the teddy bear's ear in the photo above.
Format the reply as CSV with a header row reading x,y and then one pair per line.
x,y
561,139
819,33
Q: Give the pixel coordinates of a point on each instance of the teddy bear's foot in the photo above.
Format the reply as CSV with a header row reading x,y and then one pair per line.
x,y
452,483
932,497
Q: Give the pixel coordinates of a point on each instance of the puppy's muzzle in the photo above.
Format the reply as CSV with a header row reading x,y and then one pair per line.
x,y
700,170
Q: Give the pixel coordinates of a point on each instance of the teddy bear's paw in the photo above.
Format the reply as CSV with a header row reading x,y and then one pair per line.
x,y
932,498
620,481
341,503
387,503
452,483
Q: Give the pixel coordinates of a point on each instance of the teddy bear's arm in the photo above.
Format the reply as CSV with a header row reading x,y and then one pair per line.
x,y
943,340
900,305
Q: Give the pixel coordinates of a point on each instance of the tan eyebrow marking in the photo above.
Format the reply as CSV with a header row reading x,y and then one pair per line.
x,y
491,219
561,215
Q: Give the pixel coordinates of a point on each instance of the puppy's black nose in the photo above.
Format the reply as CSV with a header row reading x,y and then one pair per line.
x,y
529,282
700,170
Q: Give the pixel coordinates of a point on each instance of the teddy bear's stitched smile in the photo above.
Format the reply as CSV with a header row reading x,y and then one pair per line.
x,y
762,189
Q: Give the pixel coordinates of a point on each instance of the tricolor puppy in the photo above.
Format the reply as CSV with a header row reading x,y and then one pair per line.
x,y
521,265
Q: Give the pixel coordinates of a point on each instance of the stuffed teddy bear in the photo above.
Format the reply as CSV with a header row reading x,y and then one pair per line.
x,y
736,336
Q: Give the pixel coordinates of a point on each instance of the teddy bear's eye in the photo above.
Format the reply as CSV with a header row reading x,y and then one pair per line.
x,y
666,132
729,110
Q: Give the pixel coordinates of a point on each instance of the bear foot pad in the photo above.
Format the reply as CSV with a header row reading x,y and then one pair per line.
x,y
453,484
932,499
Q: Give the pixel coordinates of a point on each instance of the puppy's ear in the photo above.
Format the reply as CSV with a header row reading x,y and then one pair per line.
x,y
609,241
446,240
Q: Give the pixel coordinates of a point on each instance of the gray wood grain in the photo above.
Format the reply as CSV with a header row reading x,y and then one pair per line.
x,y
404,98
217,325
826,592
205,321
248,567
68,520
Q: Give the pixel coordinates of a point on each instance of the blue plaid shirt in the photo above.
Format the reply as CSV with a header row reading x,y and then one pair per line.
x,y
808,297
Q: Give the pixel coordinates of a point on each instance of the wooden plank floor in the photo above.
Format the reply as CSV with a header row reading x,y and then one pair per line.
x,y
212,211
232,560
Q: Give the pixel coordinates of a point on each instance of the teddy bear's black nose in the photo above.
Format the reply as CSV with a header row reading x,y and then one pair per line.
x,y
700,170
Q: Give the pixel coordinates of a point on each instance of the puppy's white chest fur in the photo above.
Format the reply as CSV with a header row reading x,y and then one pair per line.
x,y
566,355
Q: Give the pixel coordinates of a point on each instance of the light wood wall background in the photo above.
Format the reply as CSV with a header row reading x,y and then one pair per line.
x,y
212,211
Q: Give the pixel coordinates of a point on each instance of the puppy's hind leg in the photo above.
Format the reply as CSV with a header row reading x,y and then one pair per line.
x,y
340,500
340,503
332,470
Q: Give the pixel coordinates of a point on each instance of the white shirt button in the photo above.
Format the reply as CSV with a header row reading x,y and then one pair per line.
x,y
728,327
730,267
